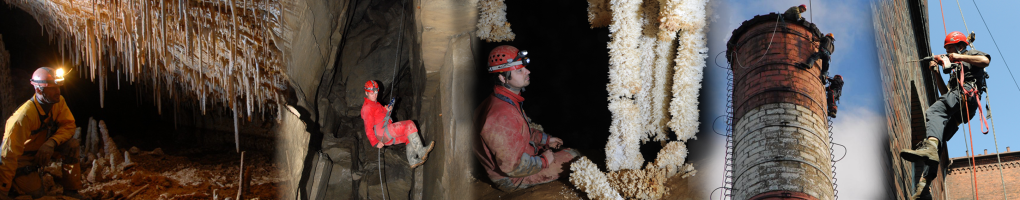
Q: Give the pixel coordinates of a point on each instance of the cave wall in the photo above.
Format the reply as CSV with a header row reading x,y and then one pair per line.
x,y
448,45
7,105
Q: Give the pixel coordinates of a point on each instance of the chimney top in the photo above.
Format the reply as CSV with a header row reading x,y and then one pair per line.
x,y
986,152
1007,148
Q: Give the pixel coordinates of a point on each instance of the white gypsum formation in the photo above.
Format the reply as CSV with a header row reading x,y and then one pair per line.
x,y
586,176
643,77
649,28
492,24
625,81
690,61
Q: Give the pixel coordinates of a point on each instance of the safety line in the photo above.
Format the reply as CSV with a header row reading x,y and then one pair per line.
x,y
996,47
1002,179
966,109
964,21
942,11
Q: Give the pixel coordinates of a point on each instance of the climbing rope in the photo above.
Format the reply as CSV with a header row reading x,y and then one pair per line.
x,y
943,13
393,84
1002,179
964,20
382,185
996,47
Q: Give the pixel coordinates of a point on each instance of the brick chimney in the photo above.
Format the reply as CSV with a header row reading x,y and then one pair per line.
x,y
779,118
986,152
1007,149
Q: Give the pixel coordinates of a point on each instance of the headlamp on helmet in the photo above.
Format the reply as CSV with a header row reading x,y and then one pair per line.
x,y
500,60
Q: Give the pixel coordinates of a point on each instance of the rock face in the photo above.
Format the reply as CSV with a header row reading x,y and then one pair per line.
x,y
371,49
7,105
376,42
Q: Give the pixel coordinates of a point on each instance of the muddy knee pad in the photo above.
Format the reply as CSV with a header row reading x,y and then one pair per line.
x,y
70,151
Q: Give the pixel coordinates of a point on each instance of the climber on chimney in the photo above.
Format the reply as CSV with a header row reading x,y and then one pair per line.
x,y
824,52
515,152
794,12
382,131
41,126
944,116
833,92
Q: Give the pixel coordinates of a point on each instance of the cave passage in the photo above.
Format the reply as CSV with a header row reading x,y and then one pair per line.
x,y
196,151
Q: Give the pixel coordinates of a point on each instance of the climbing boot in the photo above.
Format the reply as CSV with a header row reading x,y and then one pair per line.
x,y
928,152
413,146
919,190
423,153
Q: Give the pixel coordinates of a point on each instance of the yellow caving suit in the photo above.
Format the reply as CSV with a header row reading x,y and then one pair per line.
x,y
25,133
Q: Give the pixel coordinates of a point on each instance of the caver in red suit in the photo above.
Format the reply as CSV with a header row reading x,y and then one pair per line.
x,y
382,131
513,152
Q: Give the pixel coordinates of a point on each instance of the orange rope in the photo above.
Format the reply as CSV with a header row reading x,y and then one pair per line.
x,y
966,108
943,18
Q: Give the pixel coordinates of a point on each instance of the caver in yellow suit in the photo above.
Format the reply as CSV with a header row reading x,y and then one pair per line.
x,y
32,135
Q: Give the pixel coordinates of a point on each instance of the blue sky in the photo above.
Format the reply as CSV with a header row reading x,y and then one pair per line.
x,y
1001,16
861,122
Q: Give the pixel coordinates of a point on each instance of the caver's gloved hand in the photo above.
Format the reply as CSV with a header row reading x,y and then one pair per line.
x,y
42,157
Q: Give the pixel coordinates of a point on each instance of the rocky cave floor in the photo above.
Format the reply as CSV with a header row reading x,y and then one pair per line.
x,y
187,174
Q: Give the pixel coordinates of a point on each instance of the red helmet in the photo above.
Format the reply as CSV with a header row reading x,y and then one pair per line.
x,y
956,37
507,58
371,86
803,7
46,77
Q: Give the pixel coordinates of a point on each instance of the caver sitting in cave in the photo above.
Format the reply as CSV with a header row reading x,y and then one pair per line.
x,y
381,130
515,153
39,127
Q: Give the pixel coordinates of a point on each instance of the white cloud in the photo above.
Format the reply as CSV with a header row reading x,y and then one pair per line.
x,y
861,174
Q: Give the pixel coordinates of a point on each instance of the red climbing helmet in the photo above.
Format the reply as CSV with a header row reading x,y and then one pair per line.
x,y
371,86
507,58
803,7
956,37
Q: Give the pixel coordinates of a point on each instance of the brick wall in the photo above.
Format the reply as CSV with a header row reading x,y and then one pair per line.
x,y
960,185
781,141
902,37
782,146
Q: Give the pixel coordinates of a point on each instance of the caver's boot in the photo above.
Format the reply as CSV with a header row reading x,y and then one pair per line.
x,y
928,152
416,153
923,183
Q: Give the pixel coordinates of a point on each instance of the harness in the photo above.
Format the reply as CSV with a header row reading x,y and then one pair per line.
x,y
973,92
388,138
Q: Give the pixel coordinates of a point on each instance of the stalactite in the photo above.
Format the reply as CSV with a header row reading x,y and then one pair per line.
x,y
237,135
191,46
